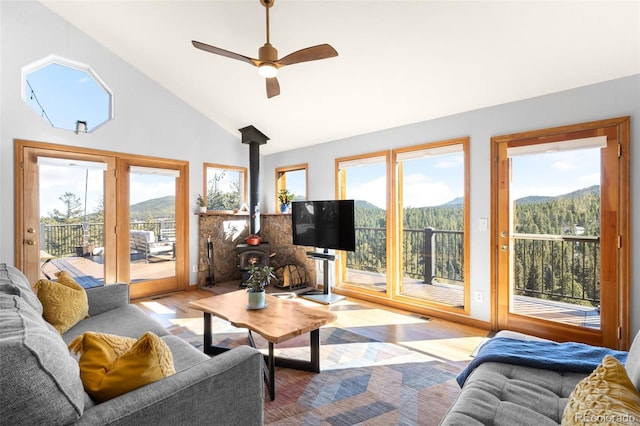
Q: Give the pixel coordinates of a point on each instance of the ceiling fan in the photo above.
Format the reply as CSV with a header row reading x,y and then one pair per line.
x,y
268,62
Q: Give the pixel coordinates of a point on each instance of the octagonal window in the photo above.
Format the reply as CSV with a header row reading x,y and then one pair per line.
x,y
67,95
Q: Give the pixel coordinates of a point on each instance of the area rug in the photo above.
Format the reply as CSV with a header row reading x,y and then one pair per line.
x,y
362,381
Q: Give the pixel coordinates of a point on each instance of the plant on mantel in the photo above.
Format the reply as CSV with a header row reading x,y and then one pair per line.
x,y
285,197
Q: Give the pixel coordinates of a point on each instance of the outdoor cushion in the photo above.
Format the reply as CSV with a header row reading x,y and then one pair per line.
x,y
40,382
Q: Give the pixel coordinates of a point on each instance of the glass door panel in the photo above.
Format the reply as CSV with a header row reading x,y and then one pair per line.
x,y
431,202
365,181
152,227
555,255
71,199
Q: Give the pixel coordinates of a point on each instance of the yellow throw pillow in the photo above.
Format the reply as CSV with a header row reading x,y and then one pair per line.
x,y
112,365
606,396
64,302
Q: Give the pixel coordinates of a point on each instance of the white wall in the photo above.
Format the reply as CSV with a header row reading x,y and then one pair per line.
x,y
148,119
600,101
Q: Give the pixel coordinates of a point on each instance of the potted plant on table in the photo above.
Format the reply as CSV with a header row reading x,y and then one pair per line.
x,y
285,197
202,207
259,278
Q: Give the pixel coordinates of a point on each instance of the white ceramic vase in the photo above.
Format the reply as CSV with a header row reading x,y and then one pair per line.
x,y
256,300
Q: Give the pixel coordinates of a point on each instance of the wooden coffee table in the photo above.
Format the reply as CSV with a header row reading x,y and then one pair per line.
x,y
281,320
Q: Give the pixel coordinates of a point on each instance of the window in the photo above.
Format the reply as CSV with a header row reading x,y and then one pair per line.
x,y
364,179
66,94
294,179
411,223
225,187
432,210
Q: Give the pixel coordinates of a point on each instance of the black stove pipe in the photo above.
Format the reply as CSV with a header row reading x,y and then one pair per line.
x,y
254,138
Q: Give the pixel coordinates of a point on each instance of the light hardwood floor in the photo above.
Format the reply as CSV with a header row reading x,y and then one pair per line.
x,y
448,341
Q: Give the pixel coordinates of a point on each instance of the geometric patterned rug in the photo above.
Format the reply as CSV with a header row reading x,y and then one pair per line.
x,y
362,381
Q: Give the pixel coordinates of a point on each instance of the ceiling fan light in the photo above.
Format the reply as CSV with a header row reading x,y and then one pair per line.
x,y
267,70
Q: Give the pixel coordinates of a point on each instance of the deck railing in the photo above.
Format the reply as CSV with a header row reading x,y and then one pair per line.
x,y
64,240
555,267
427,253
558,267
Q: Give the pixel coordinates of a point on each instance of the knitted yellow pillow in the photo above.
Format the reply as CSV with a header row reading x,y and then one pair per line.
x,y
112,365
64,302
606,396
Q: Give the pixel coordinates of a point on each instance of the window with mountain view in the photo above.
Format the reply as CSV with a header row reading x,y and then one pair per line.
x,y
432,205
428,245
556,233
364,179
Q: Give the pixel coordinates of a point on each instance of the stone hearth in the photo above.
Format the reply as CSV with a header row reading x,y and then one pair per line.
x,y
229,230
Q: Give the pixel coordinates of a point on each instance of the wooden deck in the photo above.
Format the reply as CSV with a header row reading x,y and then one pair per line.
x,y
93,268
453,295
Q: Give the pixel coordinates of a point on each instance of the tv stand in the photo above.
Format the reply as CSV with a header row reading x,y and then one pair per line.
x,y
325,296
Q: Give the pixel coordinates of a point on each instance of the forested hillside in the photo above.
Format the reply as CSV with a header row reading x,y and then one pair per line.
x,y
576,212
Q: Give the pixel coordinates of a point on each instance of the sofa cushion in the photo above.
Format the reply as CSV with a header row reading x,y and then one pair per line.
x,y
40,381
12,281
112,365
505,394
606,395
127,321
64,302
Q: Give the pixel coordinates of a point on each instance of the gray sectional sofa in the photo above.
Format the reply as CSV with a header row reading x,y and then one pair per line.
x,y
40,382
505,394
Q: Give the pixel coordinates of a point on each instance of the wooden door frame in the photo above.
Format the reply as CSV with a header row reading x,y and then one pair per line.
x,y
113,193
617,332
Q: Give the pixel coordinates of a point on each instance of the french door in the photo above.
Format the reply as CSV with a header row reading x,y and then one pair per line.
x,y
76,210
561,232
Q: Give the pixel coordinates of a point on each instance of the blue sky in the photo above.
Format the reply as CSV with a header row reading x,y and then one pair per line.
x,y
66,95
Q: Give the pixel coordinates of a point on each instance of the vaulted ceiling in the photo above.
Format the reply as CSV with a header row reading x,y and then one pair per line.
x,y
399,62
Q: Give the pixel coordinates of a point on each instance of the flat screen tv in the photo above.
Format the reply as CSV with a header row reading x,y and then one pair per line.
x,y
324,224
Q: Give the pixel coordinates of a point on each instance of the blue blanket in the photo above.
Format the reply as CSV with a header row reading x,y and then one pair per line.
x,y
576,357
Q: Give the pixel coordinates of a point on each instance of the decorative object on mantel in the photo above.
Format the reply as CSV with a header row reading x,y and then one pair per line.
x,y
253,240
244,209
202,207
259,278
285,197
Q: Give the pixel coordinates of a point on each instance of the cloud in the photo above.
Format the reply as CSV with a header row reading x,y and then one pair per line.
x,y
563,165
421,190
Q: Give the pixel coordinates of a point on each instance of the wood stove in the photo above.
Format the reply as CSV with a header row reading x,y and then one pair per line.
x,y
251,255
257,255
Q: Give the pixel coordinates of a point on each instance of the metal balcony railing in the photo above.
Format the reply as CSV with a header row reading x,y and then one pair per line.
x,y
64,240
557,267
553,267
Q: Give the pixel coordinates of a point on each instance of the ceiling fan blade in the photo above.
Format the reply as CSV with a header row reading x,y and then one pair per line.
x,y
273,87
222,52
321,51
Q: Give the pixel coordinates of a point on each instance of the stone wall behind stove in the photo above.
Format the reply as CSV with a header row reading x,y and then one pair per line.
x,y
228,230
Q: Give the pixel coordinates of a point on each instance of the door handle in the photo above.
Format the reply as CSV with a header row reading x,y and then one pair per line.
x,y
504,248
31,231
504,234
30,242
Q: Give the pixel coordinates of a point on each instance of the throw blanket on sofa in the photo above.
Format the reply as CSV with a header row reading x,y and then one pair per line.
x,y
570,356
